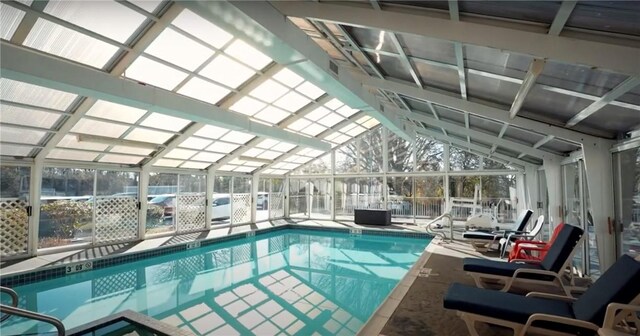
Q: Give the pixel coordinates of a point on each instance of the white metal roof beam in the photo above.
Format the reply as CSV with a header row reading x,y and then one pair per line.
x,y
454,13
32,67
619,58
608,97
535,69
562,16
28,21
500,135
543,141
435,115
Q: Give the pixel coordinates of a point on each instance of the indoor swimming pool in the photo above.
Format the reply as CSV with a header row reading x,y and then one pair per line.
x,y
287,282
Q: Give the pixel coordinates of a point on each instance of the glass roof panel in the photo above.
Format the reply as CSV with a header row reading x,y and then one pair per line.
x,y
609,16
201,89
331,119
101,128
269,155
342,138
371,123
112,111
269,91
195,143
146,135
10,18
34,95
227,168
247,54
13,150
179,153
148,5
131,150
178,49
226,71
222,147
211,132
310,90
237,137
67,154
20,135
244,169
202,29
165,122
283,147
314,152
267,143
317,114
31,117
299,124
346,111
195,165
61,41
247,105
253,152
71,141
122,159
536,11
97,16
272,115
292,101
207,157
313,129
154,73
334,104
288,77
167,163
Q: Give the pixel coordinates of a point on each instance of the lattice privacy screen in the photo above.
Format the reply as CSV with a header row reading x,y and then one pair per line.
x,y
116,219
105,287
191,211
276,205
241,208
14,226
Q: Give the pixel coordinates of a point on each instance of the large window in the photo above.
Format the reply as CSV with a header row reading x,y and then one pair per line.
x,y
429,155
161,207
463,160
627,174
347,158
400,154
221,201
370,151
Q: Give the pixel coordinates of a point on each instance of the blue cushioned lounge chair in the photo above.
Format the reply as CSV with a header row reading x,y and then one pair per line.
x,y
617,290
547,271
482,241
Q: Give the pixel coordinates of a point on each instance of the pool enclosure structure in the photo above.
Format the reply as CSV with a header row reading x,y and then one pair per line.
x,y
129,120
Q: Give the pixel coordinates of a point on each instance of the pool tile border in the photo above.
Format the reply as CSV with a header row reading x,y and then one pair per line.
x,y
59,270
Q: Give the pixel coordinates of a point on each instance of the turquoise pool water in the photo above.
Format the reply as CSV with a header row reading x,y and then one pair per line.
x,y
289,282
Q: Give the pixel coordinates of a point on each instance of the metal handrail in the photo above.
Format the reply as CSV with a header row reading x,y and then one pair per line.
x,y
434,221
34,316
14,300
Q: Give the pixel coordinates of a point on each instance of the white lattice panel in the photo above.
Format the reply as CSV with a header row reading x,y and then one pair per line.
x,y
191,211
14,226
116,219
276,205
241,208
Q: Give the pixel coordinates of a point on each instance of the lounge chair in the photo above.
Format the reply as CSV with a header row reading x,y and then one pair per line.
x,y
482,241
524,250
507,242
550,314
547,271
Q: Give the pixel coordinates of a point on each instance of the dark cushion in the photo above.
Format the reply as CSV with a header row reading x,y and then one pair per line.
x,y
478,235
500,268
620,283
508,306
523,219
561,248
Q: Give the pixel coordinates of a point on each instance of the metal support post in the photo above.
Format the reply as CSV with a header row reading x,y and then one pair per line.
x,y
209,197
35,189
255,185
285,190
143,194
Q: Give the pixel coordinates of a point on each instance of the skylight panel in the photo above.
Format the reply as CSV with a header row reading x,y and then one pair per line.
x,y
237,137
267,143
34,95
247,105
331,120
332,136
317,114
201,89
371,123
23,116
121,159
276,172
71,141
207,157
112,111
310,90
301,159
292,101
179,153
299,124
168,163
195,165
67,154
195,143
253,152
61,41
222,147
102,128
178,49
97,16
146,135
314,152
10,18
363,119
305,152
356,131
288,78
334,104
342,138
202,29
165,122
226,71
245,169
227,168
20,135
269,91
268,171
286,165
283,147
348,127
131,150
211,132
14,150
154,73
248,54
272,115
269,155
313,129
346,111
148,5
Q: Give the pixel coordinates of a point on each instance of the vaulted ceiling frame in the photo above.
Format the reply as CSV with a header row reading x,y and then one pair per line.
x,y
622,88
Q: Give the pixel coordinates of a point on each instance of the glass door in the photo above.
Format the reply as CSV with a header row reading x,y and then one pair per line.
x,y
627,190
320,198
298,198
